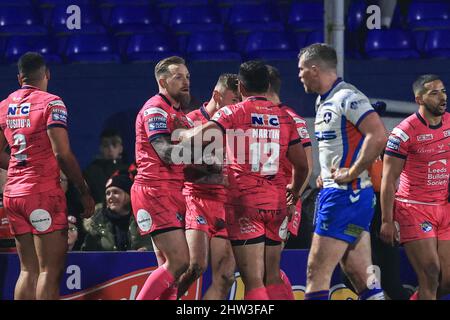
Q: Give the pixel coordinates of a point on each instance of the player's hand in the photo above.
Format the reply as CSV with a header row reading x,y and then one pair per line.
x,y
291,212
319,182
341,175
389,233
88,205
291,198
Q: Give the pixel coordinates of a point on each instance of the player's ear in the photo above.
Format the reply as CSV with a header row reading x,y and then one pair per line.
x,y
162,82
419,100
47,74
217,97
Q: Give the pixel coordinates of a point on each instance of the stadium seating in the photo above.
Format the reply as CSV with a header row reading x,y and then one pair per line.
x,y
17,20
306,15
211,46
270,46
53,3
16,3
437,44
251,17
90,20
151,47
18,45
390,44
91,48
356,15
194,19
429,14
132,19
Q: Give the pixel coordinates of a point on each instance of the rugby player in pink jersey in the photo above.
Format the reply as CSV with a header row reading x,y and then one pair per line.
x,y
33,123
156,196
418,152
294,212
206,231
259,134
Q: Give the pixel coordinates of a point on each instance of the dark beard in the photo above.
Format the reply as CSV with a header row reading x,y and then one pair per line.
x,y
183,99
434,111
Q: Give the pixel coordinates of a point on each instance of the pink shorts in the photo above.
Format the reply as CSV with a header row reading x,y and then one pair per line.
x,y
245,223
418,221
294,224
206,215
157,209
39,213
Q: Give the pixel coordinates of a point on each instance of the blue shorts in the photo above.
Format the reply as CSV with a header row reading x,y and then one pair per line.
x,y
344,214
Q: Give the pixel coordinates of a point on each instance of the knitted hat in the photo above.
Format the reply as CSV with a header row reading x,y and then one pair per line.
x,y
120,181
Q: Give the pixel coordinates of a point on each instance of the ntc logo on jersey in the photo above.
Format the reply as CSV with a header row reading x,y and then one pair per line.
x,y
266,120
15,110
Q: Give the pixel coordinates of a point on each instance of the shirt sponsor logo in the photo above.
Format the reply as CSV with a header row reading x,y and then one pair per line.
x,y
327,117
393,143
157,123
56,103
447,133
265,120
303,133
299,120
59,115
425,137
325,135
15,110
216,116
426,226
154,110
401,134
227,111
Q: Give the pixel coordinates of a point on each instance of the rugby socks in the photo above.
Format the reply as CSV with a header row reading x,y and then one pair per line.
x,y
287,283
279,292
372,294
257,294
318,295
415,296
169,294
159,281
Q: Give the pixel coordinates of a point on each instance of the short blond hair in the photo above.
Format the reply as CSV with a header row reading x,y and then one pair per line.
x,y
162,67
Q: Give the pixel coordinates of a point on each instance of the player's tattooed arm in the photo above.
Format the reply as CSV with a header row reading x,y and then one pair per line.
x,y
165,149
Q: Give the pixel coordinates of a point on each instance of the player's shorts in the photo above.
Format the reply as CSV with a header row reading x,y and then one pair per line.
x,y
419,221
40,213
251,225
294,224
344,214
206,215
157,210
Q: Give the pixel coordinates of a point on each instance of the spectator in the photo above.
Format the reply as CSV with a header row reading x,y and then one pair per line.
x,y
72,232
114,228
108,161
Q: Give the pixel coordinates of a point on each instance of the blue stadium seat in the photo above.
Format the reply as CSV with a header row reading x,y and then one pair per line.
x,y
211,46
16,20
18,45
131,19
305,38
151,47
390,44
270,46
250,17
53,3
113,3
306,15
16,3
176,3
91,49
429,14
90,20
194,19
437,44
356,15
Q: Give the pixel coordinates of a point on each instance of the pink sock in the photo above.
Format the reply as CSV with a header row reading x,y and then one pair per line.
x,y
257,294
278,292
169,294
287,283
159,281
415,296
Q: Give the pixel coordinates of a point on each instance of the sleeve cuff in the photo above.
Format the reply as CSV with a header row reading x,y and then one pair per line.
x,y
363,117
395,154
220,125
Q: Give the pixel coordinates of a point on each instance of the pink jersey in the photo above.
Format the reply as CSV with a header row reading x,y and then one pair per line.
x,y
426,149
259,140
25,117
204,191
302,129
156,118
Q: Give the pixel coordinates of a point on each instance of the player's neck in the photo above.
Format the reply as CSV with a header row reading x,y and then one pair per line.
x,y
41,86
432,119
274,98
175,104
327,82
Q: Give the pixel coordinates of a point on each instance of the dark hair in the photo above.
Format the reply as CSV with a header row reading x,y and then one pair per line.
x,y
254,76
228,81
419,84
163,66
275,80
30,66
109,133
320,53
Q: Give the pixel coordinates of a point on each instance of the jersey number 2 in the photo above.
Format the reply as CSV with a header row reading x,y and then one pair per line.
x,y
21,142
